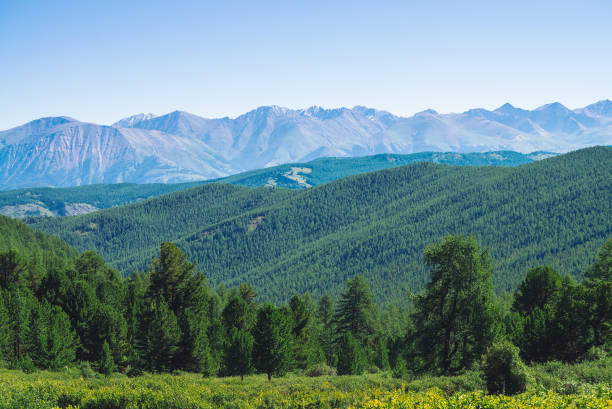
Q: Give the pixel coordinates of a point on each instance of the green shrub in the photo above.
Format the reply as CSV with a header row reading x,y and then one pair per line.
x,y
595,354
85,370
504,372
24,363
321,370
400,370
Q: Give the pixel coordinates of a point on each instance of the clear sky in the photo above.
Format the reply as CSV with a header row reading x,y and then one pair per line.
x,y
103,60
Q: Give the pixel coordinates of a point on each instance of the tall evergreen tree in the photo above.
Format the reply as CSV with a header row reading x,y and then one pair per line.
x,y
161,337
5,329
306,350
602,268
175,282
106,364
53,342
327,333
12,267
238,314
539,289
351,356
239,352
272,350
454,316
356,311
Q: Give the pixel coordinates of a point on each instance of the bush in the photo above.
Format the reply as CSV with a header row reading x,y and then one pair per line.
x,y
595,354
400,370
85,370
133,371
504,372
468,381
24,363
321,370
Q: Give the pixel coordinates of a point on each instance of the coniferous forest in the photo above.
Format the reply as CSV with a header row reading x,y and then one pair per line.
x,y
59,307
552,212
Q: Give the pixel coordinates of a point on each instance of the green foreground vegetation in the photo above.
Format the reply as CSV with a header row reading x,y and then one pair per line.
x,y
283,242
585,385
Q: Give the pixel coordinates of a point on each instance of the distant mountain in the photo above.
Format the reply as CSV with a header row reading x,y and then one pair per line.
x,y
554,211
70,201
133,120
180,147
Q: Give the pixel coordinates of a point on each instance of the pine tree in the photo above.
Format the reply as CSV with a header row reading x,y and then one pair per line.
x,y
454,317
356,312
175,281
306,351
5,328
239,352
327,333
238,314
538,290
161,338
272,350
351,356
107,364
53,342
12,267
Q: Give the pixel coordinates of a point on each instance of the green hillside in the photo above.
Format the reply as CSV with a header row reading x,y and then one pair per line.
x,y
555,211
85,199
39,249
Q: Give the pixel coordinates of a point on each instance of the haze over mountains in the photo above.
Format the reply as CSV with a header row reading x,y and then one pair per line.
x,y
179,147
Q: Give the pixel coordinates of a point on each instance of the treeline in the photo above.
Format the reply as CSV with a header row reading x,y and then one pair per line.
x,y
552,212
168,318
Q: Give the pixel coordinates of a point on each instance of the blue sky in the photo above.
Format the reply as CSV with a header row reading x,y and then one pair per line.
x,y
99,61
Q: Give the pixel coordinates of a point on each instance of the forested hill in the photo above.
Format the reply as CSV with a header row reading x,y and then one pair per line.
x,y
556,211
70,201
38,249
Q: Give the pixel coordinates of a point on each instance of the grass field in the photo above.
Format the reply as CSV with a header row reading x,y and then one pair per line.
x,y
556,386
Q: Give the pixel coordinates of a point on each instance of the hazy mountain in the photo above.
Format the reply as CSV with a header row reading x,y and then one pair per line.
x,y
183,147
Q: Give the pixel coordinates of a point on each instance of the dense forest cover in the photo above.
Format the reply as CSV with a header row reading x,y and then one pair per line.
x,y
47,201
555,211
169,318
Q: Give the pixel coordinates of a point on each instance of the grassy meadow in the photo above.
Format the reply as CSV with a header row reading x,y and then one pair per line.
x,y
554,385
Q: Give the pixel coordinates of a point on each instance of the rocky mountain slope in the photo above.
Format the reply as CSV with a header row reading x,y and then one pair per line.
x,y
179,146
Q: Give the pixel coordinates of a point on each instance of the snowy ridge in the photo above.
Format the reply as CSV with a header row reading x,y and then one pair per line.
x,y
179,146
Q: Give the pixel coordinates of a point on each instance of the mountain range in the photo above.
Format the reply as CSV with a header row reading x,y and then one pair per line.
x,y
181,147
